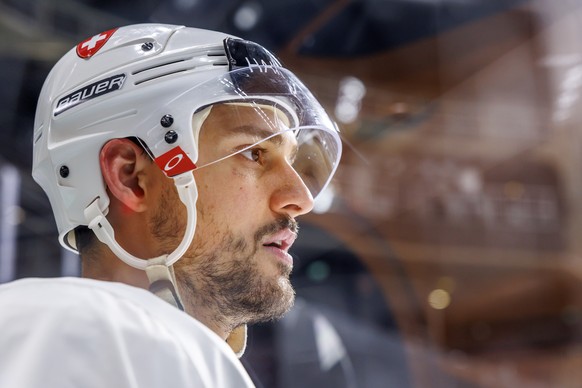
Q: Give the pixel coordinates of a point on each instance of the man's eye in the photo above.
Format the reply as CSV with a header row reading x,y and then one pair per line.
x,y
254,154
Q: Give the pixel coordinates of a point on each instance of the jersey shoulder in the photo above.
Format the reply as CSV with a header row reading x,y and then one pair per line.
x,y
126,330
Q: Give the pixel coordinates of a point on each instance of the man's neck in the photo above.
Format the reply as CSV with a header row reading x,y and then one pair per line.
x,y
208,317
105,266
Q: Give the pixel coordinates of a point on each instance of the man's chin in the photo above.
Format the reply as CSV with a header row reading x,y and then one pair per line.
x,y
277,311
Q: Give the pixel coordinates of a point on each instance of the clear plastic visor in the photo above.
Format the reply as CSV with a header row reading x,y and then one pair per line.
x,y
265,121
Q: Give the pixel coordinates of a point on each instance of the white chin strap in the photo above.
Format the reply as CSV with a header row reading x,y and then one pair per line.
x,y
158,269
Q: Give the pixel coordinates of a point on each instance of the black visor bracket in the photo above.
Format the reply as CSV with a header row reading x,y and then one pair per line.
x,y
243,53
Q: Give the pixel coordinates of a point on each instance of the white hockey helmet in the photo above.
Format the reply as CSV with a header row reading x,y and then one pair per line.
x,y
155,83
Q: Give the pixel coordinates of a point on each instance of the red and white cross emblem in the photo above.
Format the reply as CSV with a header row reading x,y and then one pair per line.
x,y
87,48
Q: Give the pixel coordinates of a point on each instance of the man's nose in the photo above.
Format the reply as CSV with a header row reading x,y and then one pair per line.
x,y
290,195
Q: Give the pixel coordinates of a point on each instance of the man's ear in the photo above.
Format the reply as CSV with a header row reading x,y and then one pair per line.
x,y
122,165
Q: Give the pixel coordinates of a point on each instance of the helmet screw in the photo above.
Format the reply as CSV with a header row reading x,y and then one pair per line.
x,y
147,46
64,171
171,137
167,121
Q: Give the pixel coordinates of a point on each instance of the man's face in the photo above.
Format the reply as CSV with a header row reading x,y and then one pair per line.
x,y
247,207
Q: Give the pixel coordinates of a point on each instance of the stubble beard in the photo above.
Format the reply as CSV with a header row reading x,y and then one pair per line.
x,y
229,279
222,274
235,286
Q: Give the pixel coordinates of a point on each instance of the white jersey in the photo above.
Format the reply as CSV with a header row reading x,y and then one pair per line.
x,y
70,332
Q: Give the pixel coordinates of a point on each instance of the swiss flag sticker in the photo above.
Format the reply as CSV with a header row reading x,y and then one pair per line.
x,y
89,47
175,162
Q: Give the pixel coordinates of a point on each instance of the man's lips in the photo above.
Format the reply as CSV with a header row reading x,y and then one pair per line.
x,y
281,240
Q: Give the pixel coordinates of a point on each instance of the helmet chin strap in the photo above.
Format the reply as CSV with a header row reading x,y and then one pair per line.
x,y
158,269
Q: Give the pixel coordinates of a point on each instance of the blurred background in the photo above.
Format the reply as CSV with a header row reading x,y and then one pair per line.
x,y
447,251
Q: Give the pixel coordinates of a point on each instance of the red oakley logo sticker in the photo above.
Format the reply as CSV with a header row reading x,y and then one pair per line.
x,y
175,162
89,47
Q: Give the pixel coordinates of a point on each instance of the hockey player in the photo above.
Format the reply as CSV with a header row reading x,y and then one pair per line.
x,y
176,161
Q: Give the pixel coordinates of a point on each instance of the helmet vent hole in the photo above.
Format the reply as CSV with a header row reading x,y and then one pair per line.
x,y
161,75
158,66
214,57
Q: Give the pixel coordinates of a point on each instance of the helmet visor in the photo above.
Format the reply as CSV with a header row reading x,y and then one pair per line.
x,y
264,116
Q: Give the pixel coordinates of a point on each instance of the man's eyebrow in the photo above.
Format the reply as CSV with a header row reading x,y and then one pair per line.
x,y
258,132
262,133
